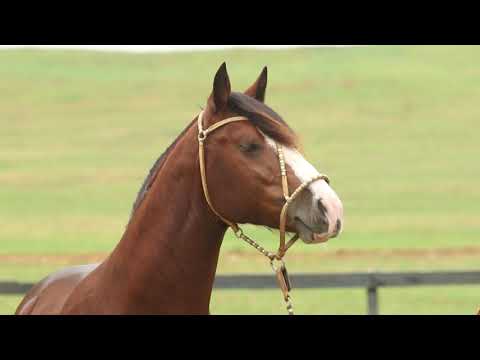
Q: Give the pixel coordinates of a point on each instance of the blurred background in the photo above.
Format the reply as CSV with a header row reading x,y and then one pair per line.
x,y
395,127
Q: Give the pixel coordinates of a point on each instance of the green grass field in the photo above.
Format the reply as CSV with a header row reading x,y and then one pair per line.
x,y
396,128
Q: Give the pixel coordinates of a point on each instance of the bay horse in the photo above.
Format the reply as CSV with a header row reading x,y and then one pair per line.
x,y
166,260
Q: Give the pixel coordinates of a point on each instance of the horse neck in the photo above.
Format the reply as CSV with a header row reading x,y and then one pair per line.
x,y
168,256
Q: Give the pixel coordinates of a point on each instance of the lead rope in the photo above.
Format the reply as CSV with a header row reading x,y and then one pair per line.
x,y
280,271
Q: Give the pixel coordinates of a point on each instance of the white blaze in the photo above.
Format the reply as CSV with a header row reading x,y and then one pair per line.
x,y
305,171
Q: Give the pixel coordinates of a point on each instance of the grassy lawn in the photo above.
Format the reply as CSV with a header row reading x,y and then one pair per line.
x,y
396,128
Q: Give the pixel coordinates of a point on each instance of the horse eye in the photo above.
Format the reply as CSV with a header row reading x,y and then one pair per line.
x,y
250,147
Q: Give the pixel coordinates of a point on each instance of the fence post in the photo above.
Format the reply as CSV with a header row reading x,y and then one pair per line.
x,y
372,296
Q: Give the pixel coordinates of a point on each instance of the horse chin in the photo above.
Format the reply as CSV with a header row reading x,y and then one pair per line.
x,y
308,236
320,238
314,238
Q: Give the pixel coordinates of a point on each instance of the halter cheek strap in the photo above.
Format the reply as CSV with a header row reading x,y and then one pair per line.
x,y
202,136
281,271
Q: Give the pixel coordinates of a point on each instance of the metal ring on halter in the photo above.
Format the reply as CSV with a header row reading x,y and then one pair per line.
x,y
272,261
202,135
238,233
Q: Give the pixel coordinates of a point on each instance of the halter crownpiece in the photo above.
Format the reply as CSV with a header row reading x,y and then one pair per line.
x,y
281,271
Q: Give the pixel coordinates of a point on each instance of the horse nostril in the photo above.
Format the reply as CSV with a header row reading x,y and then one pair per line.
x,y
338,226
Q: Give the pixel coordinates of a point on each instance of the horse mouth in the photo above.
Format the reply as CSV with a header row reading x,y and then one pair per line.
x,y
309,235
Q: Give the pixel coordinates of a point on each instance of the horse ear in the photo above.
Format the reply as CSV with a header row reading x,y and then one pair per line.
x,y
259,88
221,90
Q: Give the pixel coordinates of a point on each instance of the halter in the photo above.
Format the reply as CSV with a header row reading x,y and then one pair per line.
x,y
280,271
